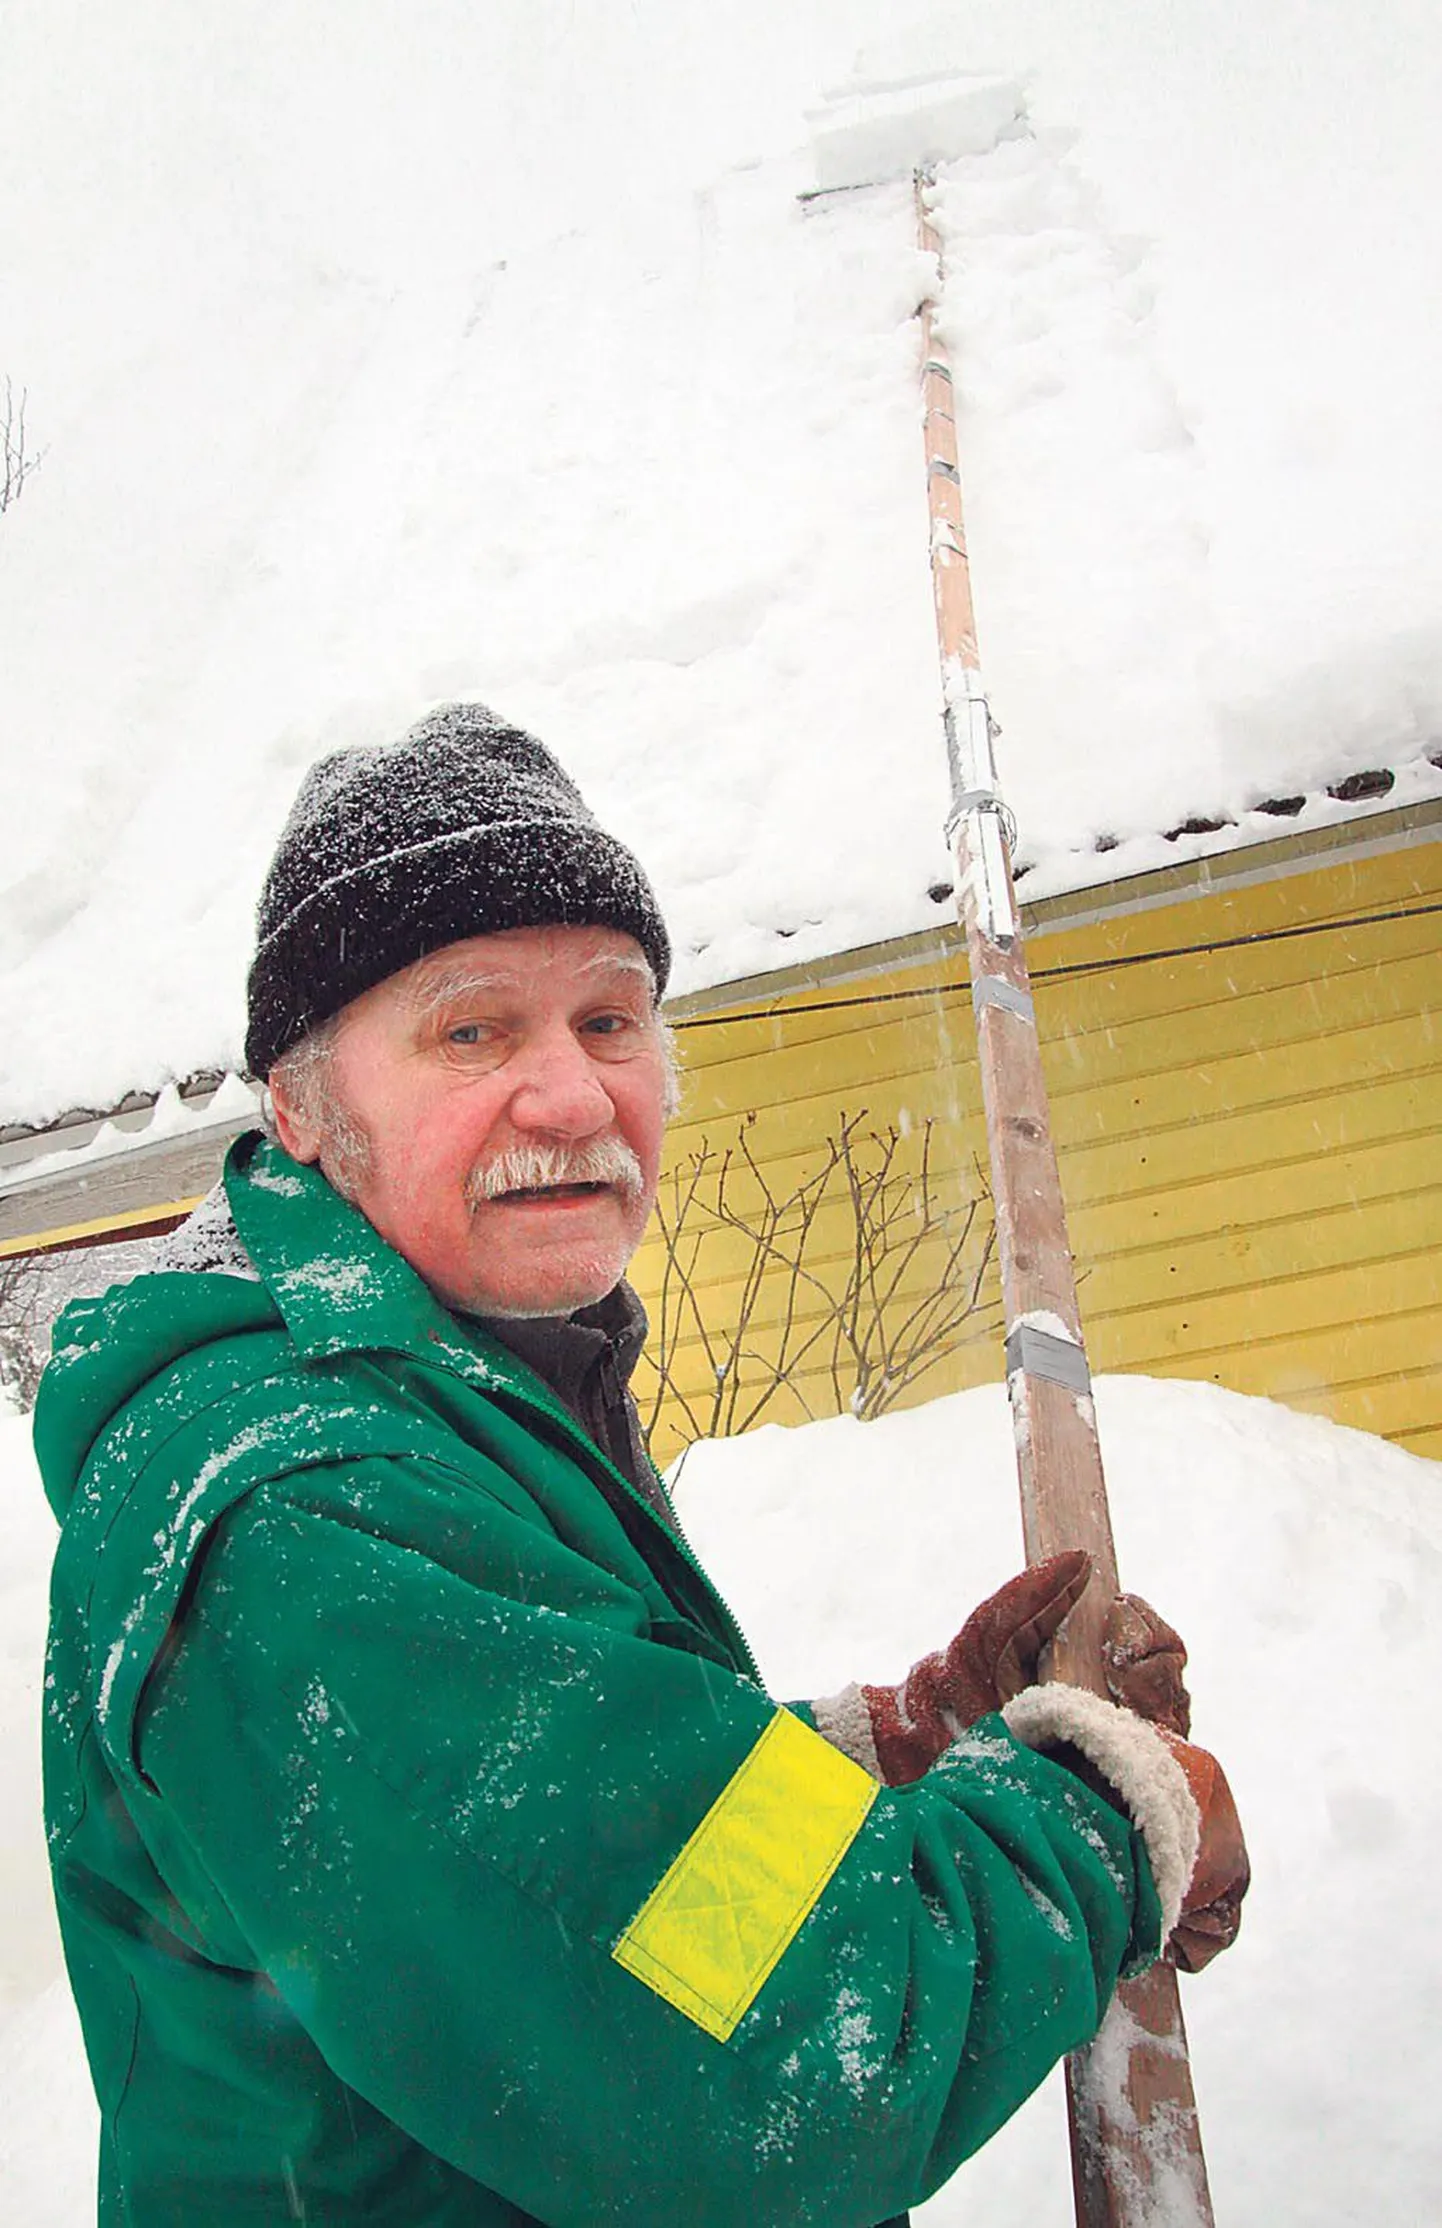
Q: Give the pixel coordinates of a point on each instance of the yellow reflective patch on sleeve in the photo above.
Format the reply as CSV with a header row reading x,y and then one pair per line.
x,y
716,1926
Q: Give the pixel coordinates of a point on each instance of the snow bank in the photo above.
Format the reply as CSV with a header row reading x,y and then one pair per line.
x,y
1301,1562
491,352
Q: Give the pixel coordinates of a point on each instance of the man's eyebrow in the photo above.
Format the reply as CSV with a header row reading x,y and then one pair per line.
x,y
440,986
628,963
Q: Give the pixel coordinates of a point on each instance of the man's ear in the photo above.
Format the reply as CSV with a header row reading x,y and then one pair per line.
x,y
299,1134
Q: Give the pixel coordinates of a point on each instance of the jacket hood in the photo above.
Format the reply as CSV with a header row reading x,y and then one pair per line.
x,y
106,1349
278,1249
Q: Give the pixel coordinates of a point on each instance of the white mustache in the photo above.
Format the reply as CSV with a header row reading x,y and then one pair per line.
x,y
538,1167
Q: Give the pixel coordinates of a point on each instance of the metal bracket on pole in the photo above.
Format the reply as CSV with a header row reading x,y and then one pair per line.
x,y
986,858
969,731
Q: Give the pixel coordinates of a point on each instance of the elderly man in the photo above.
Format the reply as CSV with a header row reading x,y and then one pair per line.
x,y
426,1846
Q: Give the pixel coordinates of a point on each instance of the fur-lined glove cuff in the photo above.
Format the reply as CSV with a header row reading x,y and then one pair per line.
x,y
1132,1758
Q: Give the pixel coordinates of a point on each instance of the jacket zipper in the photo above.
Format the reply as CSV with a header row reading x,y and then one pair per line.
x,y
554,1412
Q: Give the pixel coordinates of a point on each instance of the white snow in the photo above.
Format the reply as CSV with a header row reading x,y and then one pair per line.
x,y
233,1103
1300,1561
1046,1321
439,350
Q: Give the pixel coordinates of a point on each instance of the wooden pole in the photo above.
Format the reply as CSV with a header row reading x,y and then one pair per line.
x,y
1136,2143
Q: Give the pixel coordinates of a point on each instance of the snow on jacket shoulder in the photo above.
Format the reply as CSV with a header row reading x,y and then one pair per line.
x,y
427,1853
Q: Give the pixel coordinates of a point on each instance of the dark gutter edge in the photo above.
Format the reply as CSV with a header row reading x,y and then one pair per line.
x,y
1238,867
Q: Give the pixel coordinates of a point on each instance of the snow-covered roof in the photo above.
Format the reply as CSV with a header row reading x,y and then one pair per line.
x,y
375,366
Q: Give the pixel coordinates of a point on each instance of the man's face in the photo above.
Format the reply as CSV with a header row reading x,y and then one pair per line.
x,y
540,1043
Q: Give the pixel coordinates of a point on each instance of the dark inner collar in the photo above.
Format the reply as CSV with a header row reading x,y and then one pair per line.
x,y
563,1350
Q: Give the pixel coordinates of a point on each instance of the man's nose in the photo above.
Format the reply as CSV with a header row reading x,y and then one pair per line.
x,y
559,1088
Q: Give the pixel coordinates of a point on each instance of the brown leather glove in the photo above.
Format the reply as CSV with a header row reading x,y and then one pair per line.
x,y
1144,1661
996,1654
1212,1903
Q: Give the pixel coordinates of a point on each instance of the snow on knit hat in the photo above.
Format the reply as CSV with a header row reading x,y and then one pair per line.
x,y
465,826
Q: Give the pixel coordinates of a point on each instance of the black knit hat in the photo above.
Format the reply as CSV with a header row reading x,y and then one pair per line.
x,y
465,826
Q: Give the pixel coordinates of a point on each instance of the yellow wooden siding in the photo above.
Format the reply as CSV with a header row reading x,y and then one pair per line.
x,y
1249,1135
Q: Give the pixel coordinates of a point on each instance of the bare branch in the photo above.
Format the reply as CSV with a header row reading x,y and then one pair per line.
x,y
800,1306
17,459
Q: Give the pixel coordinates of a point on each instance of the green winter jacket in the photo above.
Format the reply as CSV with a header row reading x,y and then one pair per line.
x,y
427,1852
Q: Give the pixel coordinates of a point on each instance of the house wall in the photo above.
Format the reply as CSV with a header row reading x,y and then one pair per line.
x,y
1249,1138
